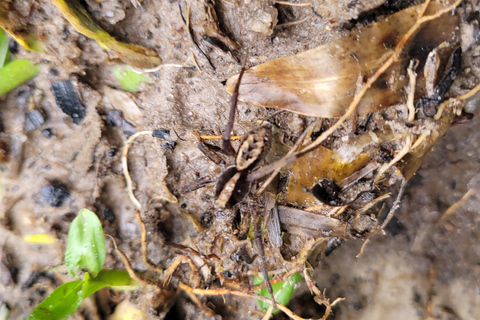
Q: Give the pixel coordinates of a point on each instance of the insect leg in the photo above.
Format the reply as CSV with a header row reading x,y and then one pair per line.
x,y
261,253
226,144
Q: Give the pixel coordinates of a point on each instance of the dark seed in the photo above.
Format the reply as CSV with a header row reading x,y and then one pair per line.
x,y
68,101
55,195
161,133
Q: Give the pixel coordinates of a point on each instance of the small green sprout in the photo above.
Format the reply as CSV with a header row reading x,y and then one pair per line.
x,y
282,290
129,79
85,251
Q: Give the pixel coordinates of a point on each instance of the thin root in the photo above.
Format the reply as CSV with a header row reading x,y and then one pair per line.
x,y
144,244
129,268
126,174
221,292
286,3
454,207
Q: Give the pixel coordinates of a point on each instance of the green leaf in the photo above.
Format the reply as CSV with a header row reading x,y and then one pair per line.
x,y
108,278
61,303
86,244
282,291
4,52
130,80
15,73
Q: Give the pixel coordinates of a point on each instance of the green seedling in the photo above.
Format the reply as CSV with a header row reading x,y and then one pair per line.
x,y
130,80
13,72
282,290
85,252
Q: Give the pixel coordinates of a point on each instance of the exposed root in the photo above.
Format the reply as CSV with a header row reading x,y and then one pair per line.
x,y
286,3
144,244
293,23
405,150
362,248
458,100
454,207
221,292
319,296
126,174
130,270
177,262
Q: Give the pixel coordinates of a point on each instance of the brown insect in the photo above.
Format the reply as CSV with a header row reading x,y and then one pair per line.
x,y
232,185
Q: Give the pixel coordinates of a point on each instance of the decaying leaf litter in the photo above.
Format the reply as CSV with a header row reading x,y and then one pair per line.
x,y
142,162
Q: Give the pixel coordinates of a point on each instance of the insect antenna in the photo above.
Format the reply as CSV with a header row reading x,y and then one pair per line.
x,y
226,144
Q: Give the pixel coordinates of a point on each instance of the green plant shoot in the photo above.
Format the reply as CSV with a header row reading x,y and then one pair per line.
x,y
130,80
282,290
85,251
86,244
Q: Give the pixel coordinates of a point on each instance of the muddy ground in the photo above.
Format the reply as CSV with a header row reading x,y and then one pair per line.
x,y
418,270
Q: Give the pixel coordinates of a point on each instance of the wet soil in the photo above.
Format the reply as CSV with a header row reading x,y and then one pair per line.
x,y
420,269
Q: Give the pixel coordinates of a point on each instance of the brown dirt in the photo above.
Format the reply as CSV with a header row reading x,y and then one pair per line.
x,y
419,270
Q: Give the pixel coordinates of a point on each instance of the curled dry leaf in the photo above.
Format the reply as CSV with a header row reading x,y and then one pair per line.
x,y
122,101
81,20
323,81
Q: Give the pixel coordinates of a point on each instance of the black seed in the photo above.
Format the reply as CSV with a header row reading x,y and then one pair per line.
x,y
161,133
68,101
55,195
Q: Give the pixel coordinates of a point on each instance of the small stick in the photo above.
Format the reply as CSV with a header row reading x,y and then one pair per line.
x,y
219,137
